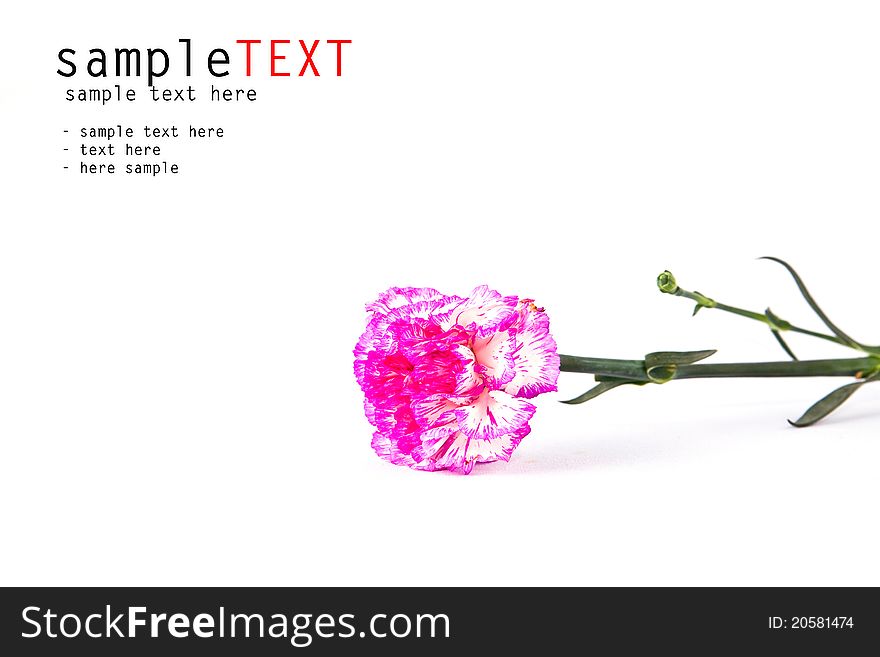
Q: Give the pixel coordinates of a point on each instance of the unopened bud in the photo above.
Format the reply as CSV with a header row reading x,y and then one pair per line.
x,y
666,282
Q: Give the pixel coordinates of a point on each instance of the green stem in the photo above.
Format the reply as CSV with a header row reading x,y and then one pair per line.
x,y
775,324
634,370
623,369
855,367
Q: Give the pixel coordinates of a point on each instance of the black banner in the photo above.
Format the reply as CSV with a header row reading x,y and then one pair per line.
x,y
338,621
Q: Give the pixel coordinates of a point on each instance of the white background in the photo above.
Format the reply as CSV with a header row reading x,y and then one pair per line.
x,y
177,404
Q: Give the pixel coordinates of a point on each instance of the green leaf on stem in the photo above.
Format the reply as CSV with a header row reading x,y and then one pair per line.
x,y
661,365
814,306
777,325
831,402
827,405
775,322
783,344
595,391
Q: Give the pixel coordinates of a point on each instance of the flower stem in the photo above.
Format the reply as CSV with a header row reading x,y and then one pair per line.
x,y
666,283
855,367
612,367
635,370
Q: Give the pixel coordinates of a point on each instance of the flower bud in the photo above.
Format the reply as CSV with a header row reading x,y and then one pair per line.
x,y
666,282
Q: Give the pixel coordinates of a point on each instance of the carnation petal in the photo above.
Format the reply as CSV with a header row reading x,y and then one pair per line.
x,y
485,312
487,451
378,337
387,449
446,448
494,357
397,297
536,362
494,414
432,410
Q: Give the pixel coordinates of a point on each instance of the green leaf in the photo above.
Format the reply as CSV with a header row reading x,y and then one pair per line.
x,y
815,307
832,401
783,343
594,392
827,405
776,323
661,365
677,357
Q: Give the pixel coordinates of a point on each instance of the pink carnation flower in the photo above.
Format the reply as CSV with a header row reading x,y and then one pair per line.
x,y
446,378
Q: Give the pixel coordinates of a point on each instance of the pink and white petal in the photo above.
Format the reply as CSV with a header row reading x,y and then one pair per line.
x,y
383,378
419,337
494,358
374,338
468,381
487,451
433,410
536,362
405,430
378,337
370,411
485,312
427,307
387,449
494,414
397,297
446,448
